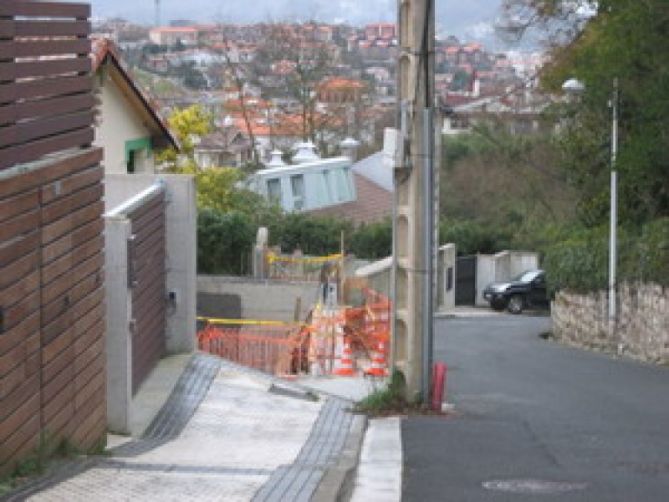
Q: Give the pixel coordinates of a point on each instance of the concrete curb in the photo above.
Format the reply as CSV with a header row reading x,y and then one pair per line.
x,y
337,482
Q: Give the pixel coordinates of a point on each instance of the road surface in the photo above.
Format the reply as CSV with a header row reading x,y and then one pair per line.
x,y
538,421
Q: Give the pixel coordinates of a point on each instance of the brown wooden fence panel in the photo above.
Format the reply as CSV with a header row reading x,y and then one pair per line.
x,y
45,79
147,265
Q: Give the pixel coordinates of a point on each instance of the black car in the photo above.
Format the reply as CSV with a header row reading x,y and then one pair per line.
x,y
526,290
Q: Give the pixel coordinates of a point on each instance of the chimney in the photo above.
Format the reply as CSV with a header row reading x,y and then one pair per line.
x,y
305,152
349,148
276,159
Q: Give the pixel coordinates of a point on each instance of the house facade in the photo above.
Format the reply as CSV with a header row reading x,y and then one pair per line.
x,y
307,186
127,127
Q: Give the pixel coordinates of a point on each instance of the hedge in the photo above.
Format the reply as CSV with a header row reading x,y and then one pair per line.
x,y
581,263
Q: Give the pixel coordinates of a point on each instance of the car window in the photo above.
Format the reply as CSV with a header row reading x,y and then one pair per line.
x,y
527,276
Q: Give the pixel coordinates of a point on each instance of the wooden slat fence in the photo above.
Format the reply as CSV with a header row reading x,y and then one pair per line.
x,y
52,310
45,82
147,283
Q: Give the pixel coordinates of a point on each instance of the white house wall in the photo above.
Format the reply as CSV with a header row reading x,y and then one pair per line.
x,y
119,123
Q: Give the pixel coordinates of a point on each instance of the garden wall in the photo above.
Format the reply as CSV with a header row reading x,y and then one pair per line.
x,y
643,326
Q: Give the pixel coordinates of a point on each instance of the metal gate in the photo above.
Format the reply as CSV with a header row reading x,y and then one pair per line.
x,y
465,280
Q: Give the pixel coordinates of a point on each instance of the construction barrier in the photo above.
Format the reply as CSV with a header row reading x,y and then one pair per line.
x,y
300,268
337,340
273,348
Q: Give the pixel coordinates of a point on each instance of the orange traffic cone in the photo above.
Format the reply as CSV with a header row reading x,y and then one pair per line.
x,y
345,366
378,368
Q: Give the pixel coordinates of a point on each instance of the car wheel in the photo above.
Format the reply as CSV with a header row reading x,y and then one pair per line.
x,y
516,304
498,305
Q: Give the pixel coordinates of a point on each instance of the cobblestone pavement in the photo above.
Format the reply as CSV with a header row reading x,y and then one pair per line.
x,y
220,436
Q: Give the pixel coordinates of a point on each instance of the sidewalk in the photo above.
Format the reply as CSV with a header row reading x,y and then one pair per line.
x,y
225,433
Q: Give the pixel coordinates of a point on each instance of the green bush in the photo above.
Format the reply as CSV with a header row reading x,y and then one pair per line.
x,y
224,242
581,263
372,241
312,234
471,237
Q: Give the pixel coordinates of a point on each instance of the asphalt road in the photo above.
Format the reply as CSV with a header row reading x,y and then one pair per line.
x,y
529,409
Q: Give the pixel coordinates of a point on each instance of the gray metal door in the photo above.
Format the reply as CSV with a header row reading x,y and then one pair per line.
x,y
465,280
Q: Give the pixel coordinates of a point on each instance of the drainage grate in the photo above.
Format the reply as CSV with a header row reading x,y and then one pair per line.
x,y
533,486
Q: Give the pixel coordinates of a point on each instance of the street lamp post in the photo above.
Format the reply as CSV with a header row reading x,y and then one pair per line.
x,y
613,230
573,86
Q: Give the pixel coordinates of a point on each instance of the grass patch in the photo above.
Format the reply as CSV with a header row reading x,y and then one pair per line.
x,y
387,400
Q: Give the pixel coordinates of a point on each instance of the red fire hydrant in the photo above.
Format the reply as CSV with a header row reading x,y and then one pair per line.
x,y
439,371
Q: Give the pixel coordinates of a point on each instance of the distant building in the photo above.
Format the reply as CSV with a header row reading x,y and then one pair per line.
x,y
373,181
384,31
227,147
339,90
308,186
171,35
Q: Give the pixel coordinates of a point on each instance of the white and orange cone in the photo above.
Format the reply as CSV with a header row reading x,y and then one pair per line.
x,y
378,368
344,367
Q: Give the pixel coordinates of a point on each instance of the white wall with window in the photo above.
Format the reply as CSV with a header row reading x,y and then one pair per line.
x,y
307,186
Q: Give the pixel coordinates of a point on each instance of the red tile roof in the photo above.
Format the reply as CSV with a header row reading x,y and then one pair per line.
x,y
373,203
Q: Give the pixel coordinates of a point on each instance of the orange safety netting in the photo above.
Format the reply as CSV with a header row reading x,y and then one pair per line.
x,y
294,349
278,350
369,325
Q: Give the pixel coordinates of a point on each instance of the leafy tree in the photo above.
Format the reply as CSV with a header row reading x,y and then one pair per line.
x,y
372,241
187,124
624,39
221,189
461,81
192,77
310,62
313,235
472,237
224,242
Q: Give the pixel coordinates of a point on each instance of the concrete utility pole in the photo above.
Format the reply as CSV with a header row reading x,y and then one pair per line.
x,y
414,223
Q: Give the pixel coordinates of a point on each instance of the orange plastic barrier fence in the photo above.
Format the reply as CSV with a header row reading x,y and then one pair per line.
x,y
285,349
273,349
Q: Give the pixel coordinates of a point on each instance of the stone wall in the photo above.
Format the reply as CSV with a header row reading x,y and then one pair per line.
x,y
643,326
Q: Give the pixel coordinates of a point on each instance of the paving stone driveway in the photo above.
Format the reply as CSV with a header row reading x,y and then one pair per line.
x,y
220,436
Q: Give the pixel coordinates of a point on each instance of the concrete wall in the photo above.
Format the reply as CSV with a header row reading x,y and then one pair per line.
x,y
643,324
445,286
119,313
501,267
122,192
378,275
258,299
181,236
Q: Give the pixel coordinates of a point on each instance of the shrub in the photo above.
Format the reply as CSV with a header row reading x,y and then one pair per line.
x,y
581,263
372,241
472,237
224,242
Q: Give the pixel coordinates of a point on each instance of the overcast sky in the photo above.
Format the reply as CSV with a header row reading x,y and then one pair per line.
x,y
470,19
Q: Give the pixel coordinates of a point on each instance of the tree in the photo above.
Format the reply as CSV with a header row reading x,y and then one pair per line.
x,y
307,61
221,189
188,124
239,82
624,39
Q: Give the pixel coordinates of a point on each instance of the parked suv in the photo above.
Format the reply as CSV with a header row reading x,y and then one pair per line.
x,y
526,290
